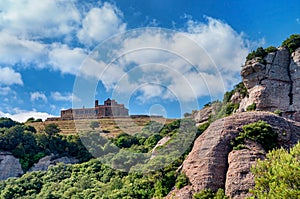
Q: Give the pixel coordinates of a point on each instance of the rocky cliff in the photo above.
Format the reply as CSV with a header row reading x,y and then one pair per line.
x,y
9,166
273,83
49,160
212,164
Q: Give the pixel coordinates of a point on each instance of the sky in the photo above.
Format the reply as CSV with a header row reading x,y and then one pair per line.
x,y
156,57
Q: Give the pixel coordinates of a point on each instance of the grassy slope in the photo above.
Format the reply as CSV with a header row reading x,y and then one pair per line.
x,y
113,126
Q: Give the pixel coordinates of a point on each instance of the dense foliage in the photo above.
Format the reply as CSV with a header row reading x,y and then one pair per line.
x,y
94,179
260,132
25,144
260,53
292,43
278,176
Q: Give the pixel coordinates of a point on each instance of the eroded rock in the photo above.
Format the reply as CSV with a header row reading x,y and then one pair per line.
x,y
9,166
49,160
274,83
207,164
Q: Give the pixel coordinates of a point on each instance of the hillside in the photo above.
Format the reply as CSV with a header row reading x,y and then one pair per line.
x,y
111,127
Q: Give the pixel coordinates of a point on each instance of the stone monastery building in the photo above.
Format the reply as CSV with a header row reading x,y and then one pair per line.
x,y
110,108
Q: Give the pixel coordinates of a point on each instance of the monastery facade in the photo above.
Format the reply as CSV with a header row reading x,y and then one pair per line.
x,y
110,108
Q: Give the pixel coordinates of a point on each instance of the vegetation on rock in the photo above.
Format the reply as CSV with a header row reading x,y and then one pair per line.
x,y
292,43
260,132
209,194
278,176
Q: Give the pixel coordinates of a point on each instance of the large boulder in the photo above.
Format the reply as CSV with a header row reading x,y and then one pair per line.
x,y
211,163
9,166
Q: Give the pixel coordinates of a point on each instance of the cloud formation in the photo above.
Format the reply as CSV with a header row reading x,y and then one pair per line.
x,y
100,23
24,115
66,97
8,76
202,61
34,96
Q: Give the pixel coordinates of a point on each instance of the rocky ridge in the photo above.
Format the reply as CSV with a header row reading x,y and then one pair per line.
x,y
212,164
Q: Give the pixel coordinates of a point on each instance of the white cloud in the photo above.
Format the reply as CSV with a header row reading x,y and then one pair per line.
x,y
38,96
22,116
66,60
66,97
101,23
39,19
8,76
18,50
205,60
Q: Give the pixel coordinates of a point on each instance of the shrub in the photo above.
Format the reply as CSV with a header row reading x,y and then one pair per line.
x,y
181,181
292,43
260,132
52,129
278,176
259,52
209,194
278,112
251,107
94,124
271,49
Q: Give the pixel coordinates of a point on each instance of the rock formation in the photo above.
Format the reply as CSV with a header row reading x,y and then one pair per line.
x,y
49,160
273,83
204,114
9,166
212,165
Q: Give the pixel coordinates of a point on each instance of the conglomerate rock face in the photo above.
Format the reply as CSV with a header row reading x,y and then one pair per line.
x,y
212,164
9,166
274,83
50,160
239,179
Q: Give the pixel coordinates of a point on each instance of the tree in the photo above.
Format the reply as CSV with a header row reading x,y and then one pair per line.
x,y
52,129
7,122
292,43
94,124
278,176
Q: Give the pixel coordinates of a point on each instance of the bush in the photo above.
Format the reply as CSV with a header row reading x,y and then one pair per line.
x,y
7,122
260,132
259,52
94,124
52,129
181,181
278,176
292,43
209,194
271,49
278,112
251,107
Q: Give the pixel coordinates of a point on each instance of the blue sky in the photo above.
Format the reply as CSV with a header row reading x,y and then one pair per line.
x,y
57,54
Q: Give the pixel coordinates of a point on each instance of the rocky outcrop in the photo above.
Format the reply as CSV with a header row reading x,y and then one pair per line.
x,y
273,83
239,179
49,160
212,165
204,114
9,166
